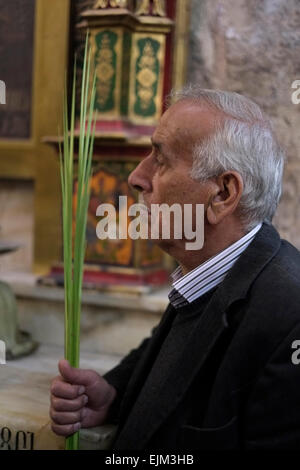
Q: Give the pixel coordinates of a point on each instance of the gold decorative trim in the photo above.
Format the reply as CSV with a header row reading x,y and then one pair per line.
x,y
118,70
181,39
146,76
135,118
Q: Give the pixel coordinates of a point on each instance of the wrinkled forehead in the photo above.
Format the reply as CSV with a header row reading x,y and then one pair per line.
x,y
188,122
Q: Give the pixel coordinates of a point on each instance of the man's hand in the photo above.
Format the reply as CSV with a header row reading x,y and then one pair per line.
x,y
79,399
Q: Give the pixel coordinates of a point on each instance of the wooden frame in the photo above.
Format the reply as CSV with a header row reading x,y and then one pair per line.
x,y
32,159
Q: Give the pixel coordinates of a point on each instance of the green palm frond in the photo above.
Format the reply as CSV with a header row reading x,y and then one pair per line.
x,y
74,247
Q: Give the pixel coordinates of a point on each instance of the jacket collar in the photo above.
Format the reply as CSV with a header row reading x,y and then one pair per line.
x,y
152,403
252,261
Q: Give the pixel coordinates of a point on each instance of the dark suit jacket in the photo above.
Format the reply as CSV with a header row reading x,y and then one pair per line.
x,y
253,400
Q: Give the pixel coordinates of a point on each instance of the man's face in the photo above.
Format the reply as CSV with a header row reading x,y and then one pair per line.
x,y
164,175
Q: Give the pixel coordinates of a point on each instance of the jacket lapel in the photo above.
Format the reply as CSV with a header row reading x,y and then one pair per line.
x,y
144,365
163,389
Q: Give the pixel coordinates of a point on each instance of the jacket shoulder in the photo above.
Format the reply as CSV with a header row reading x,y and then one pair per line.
x,y
277,288
269,312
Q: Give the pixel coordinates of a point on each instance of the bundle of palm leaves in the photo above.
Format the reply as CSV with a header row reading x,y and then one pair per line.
x,y
74,244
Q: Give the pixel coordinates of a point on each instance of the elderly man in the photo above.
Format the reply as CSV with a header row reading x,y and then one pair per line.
x,y
218,371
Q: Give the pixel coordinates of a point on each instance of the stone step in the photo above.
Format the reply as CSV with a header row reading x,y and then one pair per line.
x,y
111,323
25,399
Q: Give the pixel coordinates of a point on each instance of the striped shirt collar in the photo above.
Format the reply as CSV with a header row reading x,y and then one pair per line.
x,y
208,275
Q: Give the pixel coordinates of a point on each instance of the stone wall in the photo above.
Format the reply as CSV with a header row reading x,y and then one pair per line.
x,y
253,47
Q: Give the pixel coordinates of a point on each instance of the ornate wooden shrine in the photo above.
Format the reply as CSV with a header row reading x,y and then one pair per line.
x,y
134,54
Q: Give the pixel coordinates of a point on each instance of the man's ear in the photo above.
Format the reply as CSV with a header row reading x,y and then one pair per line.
x,y
227,194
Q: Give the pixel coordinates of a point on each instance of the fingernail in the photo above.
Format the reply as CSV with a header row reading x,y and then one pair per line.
x,y
85,400
81,390
76,426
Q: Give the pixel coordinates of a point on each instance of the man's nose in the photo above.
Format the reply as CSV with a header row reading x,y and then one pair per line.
x,y
140,178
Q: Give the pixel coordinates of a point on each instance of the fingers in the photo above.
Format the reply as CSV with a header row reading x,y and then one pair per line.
x,y
70,392
66,415
65,430
62,389
60,404
65,418
74,375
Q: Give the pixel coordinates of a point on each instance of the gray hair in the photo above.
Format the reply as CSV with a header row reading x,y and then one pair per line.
x,y
244,142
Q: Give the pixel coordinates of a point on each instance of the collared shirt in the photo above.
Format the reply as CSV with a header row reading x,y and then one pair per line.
x,y
208,275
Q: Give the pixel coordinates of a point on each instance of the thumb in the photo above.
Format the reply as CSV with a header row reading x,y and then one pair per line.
x,y
74,375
